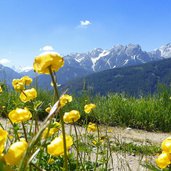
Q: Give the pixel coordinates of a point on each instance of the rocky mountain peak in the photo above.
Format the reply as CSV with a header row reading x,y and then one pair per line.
x,y
165,50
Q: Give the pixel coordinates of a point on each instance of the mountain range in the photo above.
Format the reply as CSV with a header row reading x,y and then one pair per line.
x,y
79,65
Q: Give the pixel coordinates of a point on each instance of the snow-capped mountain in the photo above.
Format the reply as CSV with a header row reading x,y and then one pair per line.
x,y
118,56
165,50
82,64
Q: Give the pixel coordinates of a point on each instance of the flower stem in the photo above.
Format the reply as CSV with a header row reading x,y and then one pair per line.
x,y
54,83
15,131
25,133
77,147
97,153
64,143
61,119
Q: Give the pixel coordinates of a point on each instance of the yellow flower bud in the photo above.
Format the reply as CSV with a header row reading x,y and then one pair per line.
x,y
163,160
18,85
51,161
72,116
15,152
48,109
19,115
100,141
92,127
0,89
55,128
64,99
28,95
52,131
166,145
44,61
26,80
56,147
88,108
56,125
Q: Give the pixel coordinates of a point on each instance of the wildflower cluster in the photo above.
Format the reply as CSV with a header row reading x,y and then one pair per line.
x,y
15,151
29,142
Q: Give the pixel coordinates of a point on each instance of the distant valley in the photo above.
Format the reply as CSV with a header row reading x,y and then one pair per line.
x,y
136,80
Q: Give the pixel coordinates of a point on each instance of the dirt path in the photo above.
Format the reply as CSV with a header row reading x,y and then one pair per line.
x,y
128,162
139,135
126,133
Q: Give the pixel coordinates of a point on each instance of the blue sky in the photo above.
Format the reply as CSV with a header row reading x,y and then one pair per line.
x,y
26,26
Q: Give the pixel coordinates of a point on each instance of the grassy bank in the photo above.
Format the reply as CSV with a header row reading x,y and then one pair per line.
x,y
152,113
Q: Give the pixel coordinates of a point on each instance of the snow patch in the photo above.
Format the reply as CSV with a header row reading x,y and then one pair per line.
x,y
133,57
108,62
125,62
165,51
79,59
140,59
24,69
101,55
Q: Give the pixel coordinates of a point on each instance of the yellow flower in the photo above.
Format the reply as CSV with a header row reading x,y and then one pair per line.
x,y
163,160
44,61
18,85
92,127
11,137
15,152
51,161
96,142
28,95
55,127
166,145
19,115
64,99
72,116
88,108
52,131
3,138
0,89
56,147
109,130
26,80
48,109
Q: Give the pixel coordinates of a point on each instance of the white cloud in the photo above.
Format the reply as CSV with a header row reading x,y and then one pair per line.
x,y
4,61
85,23
47,48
